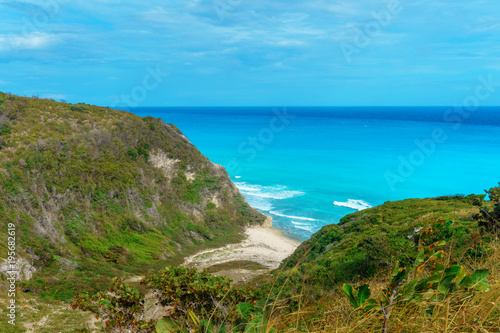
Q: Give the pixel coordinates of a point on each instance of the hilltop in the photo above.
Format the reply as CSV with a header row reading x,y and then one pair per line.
x,y
365,242
95,193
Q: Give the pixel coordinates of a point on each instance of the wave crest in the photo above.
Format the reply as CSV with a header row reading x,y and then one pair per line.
x,y
354,204
277,192
292,217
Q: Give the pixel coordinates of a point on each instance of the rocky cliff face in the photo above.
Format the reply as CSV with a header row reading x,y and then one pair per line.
x,y
105,189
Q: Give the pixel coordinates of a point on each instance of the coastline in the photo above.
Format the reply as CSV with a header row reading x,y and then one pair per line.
x,y
264,246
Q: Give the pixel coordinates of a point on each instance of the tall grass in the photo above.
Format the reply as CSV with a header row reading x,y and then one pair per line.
x,y
461,312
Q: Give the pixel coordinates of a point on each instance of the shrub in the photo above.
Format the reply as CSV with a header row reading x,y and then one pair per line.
x,y
420,282
5,129
198,301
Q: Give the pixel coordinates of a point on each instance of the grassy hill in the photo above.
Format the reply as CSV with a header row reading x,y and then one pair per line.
x,y
369,242
95,193
364,248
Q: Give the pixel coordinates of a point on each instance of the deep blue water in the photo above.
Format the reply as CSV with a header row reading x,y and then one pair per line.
x,y
323,163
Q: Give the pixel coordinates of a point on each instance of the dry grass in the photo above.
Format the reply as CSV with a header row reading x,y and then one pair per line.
x,y
42,316
463,312
477,312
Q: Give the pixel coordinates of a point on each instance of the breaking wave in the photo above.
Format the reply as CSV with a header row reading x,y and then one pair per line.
x,y
354,204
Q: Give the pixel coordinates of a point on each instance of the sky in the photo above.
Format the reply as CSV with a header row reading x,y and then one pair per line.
x,y
251,53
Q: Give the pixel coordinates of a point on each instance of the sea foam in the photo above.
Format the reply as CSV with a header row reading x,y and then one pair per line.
x,y
354,204
292,217
310,229
303,226
277,192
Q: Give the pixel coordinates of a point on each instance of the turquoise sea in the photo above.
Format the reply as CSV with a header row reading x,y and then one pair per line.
x,y
308,167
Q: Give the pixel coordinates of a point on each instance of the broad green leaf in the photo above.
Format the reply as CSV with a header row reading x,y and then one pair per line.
x,y
480,278
420,258
167,325
466,282
434,278
206,326
429,295
244,310
363,294
437,255
347,288
438,268
409,290
422,285
445,285
372,304
395,271
460,275
402,274
453,270
255,325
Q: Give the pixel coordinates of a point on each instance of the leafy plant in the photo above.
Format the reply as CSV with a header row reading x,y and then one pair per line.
x,y
189,292
121,309
489,218
419,282
197,302
252,319
358,298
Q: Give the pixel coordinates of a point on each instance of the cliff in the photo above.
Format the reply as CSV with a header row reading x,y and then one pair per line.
x,y
97,192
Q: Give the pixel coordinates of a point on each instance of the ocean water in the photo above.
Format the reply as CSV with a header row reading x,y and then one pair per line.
x,y
308,167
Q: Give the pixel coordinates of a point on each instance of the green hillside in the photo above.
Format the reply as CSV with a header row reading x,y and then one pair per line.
x,y
95,193
369,242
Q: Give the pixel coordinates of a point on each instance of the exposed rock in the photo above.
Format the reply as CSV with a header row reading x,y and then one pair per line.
x,y
268,223
66,265
190,174
215,200
196,236
24,269
153,309
166,164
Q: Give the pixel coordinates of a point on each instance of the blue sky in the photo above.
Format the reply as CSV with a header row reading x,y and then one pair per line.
x,y
241,52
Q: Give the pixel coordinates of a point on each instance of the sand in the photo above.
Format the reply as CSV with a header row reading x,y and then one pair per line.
x,y
265,246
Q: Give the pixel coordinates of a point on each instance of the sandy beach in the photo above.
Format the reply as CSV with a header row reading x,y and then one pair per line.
x,y
265,246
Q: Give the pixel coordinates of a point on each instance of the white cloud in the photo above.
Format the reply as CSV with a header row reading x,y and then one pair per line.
x,y
340,8
26,42
287,43
158,14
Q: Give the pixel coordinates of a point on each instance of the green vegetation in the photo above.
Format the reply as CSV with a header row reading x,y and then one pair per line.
x,y
197,302
96,193
240,264
432,275
426,281
365,242
412,273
